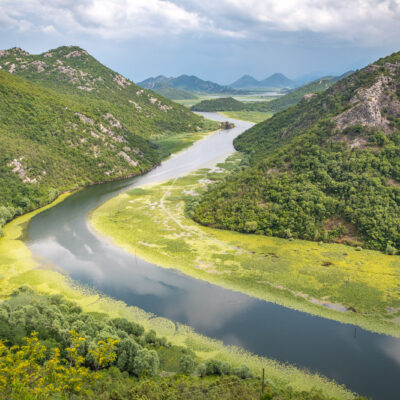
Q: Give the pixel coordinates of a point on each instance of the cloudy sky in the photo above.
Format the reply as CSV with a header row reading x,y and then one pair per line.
x,y
214,39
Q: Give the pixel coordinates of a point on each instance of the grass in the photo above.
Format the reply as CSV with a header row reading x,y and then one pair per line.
x,y
318,278
176,143
252,116
18,267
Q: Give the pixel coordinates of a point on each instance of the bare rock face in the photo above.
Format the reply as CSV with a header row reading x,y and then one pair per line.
x,y
373,105
308,96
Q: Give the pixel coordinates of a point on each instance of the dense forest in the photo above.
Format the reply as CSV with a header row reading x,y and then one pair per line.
x,y
51,349
55,135
326,169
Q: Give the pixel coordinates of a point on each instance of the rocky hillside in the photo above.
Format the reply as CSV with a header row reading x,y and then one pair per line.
x,y
68,121
50,143
325,169
71,70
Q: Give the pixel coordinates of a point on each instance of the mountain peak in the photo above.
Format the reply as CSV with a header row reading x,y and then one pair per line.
x,y
16,51
66,52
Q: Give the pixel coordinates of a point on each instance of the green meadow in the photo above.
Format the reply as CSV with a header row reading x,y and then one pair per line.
x,y
335,281
19,267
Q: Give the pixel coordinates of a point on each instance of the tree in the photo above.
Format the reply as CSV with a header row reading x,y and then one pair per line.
x,y
186,364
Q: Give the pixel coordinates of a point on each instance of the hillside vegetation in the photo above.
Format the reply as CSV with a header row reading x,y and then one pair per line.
x,y
189,83
70,69
73,122
51,349
175,93
326,169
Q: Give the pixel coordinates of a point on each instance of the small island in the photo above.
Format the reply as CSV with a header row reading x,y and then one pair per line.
x,y
226,125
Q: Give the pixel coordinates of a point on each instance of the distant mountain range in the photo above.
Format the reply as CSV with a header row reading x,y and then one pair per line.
x,y
274,81
185,82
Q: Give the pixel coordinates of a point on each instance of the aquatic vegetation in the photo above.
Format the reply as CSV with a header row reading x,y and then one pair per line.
x,y
331,280
18,267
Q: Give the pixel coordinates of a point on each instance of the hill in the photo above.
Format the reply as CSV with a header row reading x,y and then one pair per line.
x,y
50,143
326,169
71,70
277,81
186,82
74,123
219,104
175,93
274,81
295,96
245,82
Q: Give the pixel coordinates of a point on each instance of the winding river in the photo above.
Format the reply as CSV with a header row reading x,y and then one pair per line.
x,y
366,362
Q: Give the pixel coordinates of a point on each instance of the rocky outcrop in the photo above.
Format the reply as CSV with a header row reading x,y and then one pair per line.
x,y
373,106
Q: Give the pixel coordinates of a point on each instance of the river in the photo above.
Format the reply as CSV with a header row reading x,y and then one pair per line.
x,y
366,362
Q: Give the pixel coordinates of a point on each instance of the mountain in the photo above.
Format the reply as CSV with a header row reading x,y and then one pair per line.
x,y
325,169
186,82
245,82
175,93
71,70
273,106
68,121
277,81
158,82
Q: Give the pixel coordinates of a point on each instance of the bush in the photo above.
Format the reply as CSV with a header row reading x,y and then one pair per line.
x,y
186,365
242,372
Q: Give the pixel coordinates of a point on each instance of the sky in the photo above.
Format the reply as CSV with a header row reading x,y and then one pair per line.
x,y
217,40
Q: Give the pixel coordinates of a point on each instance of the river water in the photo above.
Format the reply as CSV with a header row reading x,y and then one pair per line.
x,y
366,362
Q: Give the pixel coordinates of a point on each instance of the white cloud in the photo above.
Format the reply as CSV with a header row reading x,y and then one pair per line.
x,y
364,21
48,29
111,19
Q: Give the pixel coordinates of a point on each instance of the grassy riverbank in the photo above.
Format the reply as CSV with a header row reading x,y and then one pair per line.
x,y
18,267
331,280
175,143
252,116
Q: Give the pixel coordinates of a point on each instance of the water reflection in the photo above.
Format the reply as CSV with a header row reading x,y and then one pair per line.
x,y
367,363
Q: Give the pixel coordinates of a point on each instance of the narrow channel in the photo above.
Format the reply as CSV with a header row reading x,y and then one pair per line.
x,y
366,362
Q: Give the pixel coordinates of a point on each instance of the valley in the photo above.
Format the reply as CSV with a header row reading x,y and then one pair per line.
x,y
199,239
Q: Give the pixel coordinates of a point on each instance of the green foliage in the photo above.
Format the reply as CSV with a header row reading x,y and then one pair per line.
x,y
219,104
53,318
273,106
186,365
175,93
305,181
73,122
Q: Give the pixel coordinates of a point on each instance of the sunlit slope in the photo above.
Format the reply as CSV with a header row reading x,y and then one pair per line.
x,y
326,169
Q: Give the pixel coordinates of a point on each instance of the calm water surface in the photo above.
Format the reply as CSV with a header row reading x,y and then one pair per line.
x,y
366,362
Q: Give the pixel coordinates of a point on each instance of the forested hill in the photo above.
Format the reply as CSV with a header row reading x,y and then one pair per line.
x,y
325,169
68,121
50,143
71,70
186,82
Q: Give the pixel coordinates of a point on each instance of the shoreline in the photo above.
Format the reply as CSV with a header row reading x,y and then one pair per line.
x,y
284,296
21,268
